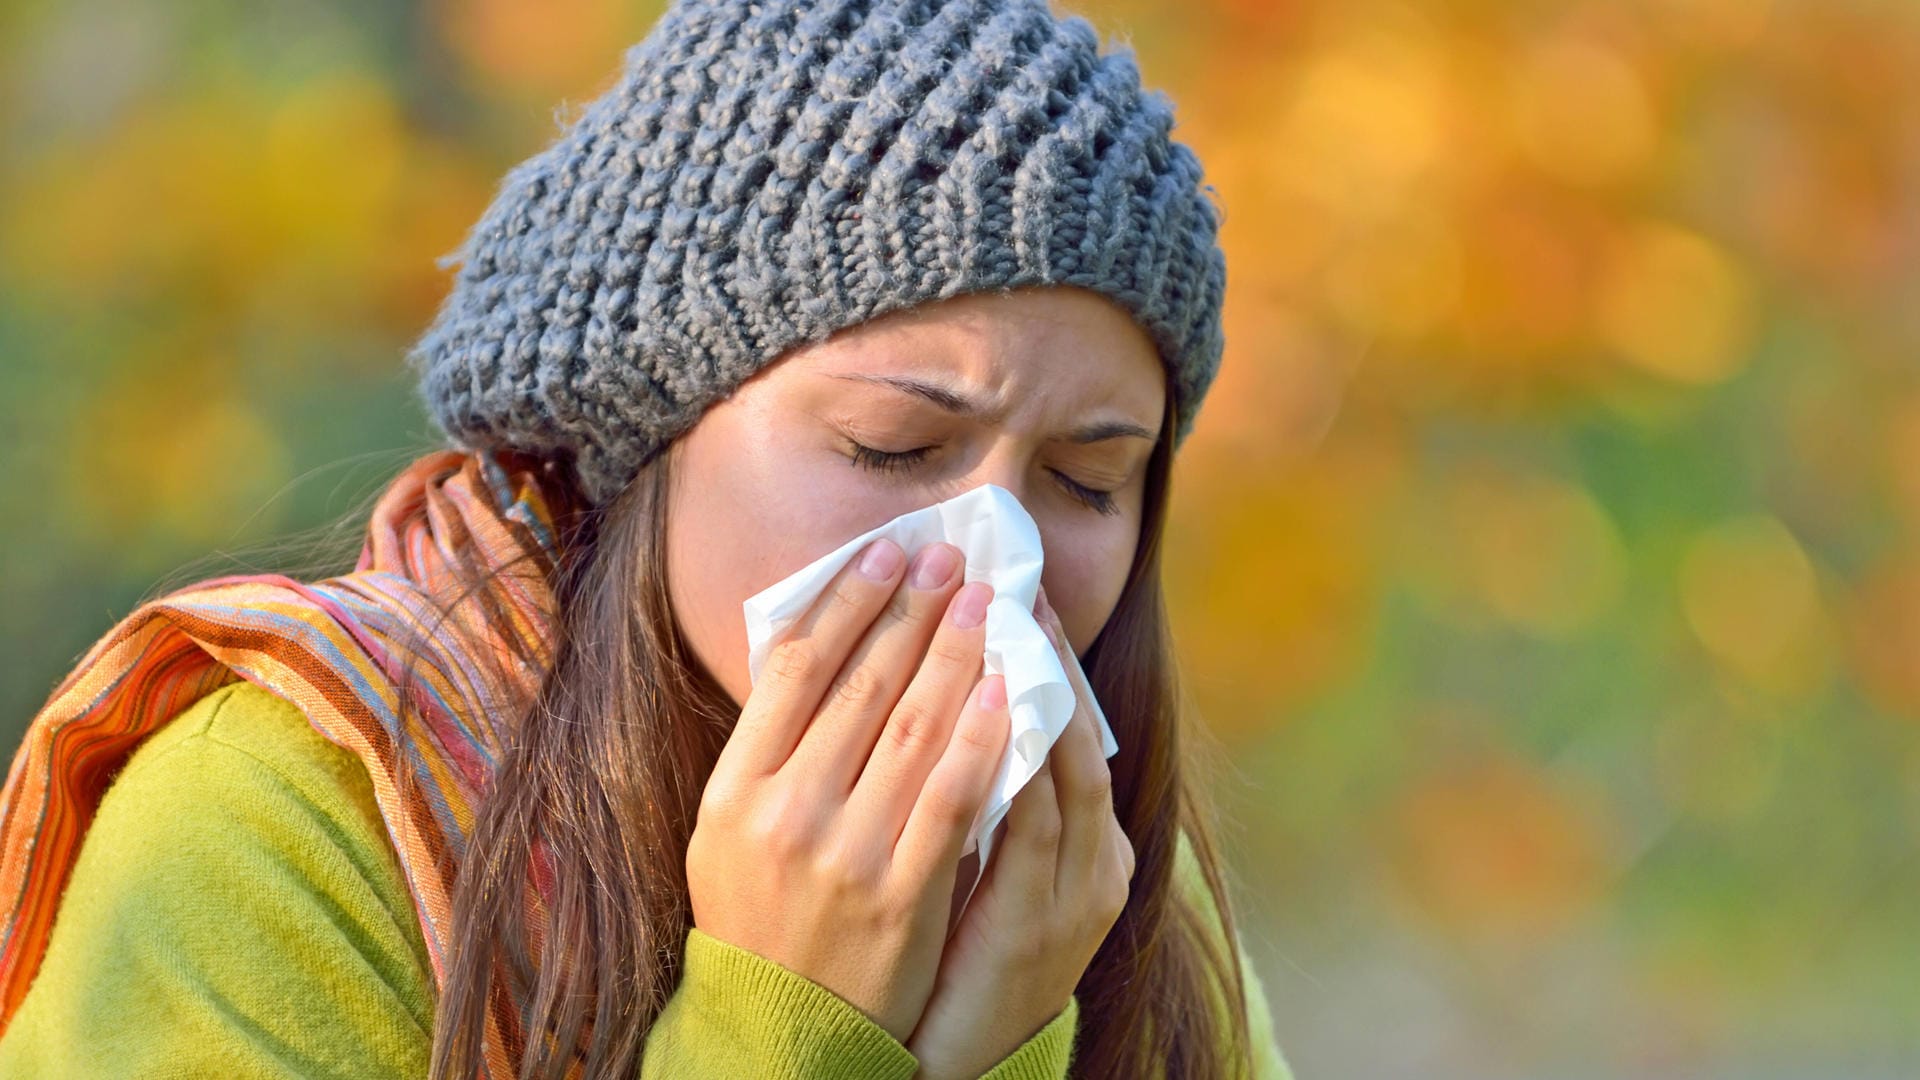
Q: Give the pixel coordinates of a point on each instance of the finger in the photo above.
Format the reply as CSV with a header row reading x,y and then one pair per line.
x,y
789,687
1028,861
944,810
917,733
1083,693
1085,792
835,746
1080,769
1056,632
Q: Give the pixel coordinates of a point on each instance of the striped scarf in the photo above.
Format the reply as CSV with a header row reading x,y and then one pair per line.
x,y
335,649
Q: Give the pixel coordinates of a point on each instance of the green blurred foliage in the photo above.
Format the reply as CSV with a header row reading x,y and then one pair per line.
x,y
1546,559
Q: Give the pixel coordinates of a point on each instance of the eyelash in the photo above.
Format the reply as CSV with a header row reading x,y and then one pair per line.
x,y
867,457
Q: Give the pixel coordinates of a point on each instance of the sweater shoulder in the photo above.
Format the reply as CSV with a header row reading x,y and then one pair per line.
x,y
235,909
238,788
243,720
239,800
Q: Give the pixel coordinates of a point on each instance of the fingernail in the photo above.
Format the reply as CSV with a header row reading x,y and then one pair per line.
x,y
970,607
934,565
881,559
993,693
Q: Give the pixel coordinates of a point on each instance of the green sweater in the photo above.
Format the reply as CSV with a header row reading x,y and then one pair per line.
x,y
238,911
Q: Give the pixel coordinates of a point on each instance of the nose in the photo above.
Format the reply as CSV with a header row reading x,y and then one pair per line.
x,y
1005,469
1014,471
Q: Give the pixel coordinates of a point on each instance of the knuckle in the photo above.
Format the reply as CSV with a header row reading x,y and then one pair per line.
x,y
949,651
851,591
795,660
947,805
781,826
860,689
912,727
899,607
1046,827
720,799
841,862
1098,789
977,736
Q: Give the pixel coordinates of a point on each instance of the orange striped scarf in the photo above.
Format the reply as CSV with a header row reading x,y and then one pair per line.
x,y
333,648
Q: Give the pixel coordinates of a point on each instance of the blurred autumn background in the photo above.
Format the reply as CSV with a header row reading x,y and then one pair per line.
x,y
1547,557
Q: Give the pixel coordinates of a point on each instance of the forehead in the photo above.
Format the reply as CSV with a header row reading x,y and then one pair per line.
x,y
1066,345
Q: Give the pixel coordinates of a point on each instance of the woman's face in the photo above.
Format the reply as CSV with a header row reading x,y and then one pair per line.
x,y
1052,393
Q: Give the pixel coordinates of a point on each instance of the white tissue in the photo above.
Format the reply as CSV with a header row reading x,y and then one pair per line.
x,y
1002,548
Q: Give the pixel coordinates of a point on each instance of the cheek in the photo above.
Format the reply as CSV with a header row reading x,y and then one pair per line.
x,y
702,558
729,497
751,505
1086,568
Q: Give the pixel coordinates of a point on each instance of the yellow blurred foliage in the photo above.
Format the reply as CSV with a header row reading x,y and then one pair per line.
x,y
1526,548
319,205
1752,599
1582,113
1401,285
1278,403
168,457
1722,24
549,51
331,162
1369,112
1269,585
1674,304
161,197
1523,311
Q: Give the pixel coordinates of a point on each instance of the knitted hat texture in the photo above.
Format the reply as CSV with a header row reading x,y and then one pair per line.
x,y
765,173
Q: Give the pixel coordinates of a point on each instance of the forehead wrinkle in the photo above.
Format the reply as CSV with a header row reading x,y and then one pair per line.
x,y
975,408
943,393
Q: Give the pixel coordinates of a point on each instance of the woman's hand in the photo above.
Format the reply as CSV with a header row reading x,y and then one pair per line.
x,y
1058,881
829,835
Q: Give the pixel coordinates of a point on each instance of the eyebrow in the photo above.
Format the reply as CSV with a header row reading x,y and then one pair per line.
x,y
959,404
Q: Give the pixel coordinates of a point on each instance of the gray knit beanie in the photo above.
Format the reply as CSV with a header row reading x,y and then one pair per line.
x,y
765,173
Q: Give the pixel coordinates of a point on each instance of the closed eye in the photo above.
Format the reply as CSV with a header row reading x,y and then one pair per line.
x,y
868,457
1093,497
888,460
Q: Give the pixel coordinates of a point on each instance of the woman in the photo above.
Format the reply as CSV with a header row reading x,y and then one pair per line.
x,y
504,800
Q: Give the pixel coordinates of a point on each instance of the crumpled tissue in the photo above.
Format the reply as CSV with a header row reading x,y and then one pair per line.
x,y
1001,544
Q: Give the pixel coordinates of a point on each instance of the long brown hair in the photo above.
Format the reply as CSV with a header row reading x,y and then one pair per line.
x,y
601,777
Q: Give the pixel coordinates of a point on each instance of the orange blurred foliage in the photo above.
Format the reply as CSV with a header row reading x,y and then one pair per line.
x,y
1494,845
